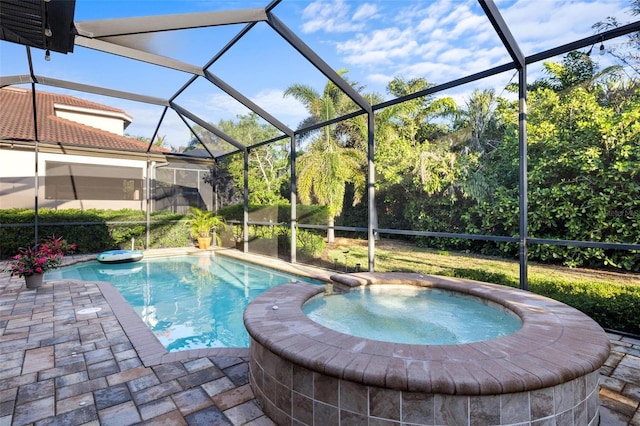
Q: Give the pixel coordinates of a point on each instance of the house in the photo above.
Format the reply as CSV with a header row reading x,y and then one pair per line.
x,y
83,160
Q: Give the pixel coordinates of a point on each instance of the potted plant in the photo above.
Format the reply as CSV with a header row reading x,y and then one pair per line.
x,y
32,262
202,223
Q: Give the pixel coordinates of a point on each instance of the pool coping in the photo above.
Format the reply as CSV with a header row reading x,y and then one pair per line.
x,y
550,349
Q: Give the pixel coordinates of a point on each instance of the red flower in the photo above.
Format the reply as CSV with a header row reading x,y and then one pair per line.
x,y
39,258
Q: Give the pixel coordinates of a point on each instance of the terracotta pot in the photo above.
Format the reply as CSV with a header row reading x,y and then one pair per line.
x,y
204,242
34,281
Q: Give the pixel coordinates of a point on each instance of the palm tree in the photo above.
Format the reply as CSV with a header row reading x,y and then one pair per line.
x,y
323,174
327,167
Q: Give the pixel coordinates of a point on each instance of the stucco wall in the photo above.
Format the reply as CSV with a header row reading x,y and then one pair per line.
x,y
17,181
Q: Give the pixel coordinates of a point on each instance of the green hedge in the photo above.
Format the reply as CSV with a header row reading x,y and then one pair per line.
x,y
92,230
97,230
615,307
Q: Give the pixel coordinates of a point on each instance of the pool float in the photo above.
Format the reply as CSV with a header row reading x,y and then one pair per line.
x,y
120,256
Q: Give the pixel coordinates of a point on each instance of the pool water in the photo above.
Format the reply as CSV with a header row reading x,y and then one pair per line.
x,y
189,302
412,315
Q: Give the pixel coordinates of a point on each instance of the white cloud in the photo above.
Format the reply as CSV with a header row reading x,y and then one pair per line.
x,y
427,25
379,79
443,8
328,16
455,15
470,23
365,11
220,106
381,46
537,29
456,55
442,40
288,110
434,72
431,49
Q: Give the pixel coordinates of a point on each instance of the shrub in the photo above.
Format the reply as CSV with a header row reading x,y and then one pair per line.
x,y
310,244
92,230
614,307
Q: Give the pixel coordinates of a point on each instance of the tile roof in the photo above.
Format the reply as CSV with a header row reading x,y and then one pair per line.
x,y
16,122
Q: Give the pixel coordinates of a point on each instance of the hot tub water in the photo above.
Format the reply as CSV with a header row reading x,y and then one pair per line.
x,y
411,314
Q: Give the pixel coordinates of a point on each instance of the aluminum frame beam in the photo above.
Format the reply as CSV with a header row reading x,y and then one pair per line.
x,y
293,199
318,62
64,84
449,85
138,55
182,21
15,79
587,41
503,31
371,192
245,201
155,132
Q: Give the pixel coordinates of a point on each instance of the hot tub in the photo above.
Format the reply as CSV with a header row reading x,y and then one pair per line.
x,y
304,373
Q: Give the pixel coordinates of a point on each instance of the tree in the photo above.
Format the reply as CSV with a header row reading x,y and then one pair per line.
x,y
326,167
477,132
576,70
159,142
204,138
420,119
267,163
629,52
323,173
415,153
583,162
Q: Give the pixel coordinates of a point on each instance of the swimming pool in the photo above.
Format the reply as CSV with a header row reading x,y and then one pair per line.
x,y
188,302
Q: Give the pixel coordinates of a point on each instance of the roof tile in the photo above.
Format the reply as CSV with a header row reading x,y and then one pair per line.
x,y
16,122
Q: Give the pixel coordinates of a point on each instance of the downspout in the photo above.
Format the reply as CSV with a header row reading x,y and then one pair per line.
x,y
36,147
37,176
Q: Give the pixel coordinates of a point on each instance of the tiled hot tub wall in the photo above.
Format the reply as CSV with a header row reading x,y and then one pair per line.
x,y
290,394
544,374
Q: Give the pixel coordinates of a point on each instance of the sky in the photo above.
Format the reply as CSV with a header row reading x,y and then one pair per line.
x,y
375,41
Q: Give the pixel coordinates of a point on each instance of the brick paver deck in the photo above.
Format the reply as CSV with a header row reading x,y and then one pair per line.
x,y
64,364
61,366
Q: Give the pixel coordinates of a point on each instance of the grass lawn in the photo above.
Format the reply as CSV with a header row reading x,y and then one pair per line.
x,y
394,255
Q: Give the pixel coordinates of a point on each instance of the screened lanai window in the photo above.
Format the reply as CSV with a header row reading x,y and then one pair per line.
x,y
73,181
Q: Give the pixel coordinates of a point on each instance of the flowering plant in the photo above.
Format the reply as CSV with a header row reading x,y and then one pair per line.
x,y
39,258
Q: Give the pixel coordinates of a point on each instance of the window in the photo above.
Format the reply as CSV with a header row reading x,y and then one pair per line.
x,y
74,181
